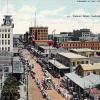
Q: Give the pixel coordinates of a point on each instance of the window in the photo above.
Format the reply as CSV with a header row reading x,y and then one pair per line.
x,y
2,35
8,48
5,30
0,30
73,63
86,62
6,69
78,62
8,30
94,72
2,48
5,42
0,69
8,41
8,35
2,42
82,62
5,35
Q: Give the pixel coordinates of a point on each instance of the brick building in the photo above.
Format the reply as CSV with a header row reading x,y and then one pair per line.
x,y
95,45
39,33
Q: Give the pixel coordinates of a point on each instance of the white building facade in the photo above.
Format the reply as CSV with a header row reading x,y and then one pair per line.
x,y
6,34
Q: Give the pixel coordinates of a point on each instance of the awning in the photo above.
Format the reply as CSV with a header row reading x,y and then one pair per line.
x,y
58,64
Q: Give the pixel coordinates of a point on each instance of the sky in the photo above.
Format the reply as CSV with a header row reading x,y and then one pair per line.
x,y
55,14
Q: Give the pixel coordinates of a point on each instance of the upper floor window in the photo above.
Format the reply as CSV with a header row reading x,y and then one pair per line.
x,y
5,35
2,35
8,35
5,30
2,48
5,42
8,48
8,41
2,42
8,30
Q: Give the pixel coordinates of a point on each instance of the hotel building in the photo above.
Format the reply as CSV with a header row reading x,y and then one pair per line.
x,y
6,34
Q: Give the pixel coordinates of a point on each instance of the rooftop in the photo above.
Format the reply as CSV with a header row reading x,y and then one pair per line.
x,y
84,82
47,47
16,58
58,64
71,55
5,53
95,66
83,50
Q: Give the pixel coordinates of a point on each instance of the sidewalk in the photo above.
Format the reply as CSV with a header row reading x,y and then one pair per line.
x,y
22,92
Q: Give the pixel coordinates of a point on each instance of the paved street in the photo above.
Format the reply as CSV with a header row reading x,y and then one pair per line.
x,y
34,92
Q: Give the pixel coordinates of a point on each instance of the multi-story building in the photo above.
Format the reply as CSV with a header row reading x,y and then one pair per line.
x,y
66,62
81,34
6,34
39,33
71,60
95,45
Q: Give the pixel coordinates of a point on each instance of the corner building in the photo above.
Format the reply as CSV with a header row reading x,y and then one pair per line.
x,y
39,33
6,34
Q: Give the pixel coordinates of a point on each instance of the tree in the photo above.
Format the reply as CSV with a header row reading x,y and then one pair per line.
x,y
10,89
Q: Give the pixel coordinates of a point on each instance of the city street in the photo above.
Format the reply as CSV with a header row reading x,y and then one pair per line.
x,y
34,92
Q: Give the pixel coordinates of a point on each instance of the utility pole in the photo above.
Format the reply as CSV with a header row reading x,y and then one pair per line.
x,y
35,20
53,33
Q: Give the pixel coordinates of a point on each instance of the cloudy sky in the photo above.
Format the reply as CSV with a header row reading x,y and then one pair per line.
x,y
56,14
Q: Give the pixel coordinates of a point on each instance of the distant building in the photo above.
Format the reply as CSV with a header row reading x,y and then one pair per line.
x,y
59,38
84,52
6,34
87,69
39,33
95,45
46,50
81,34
